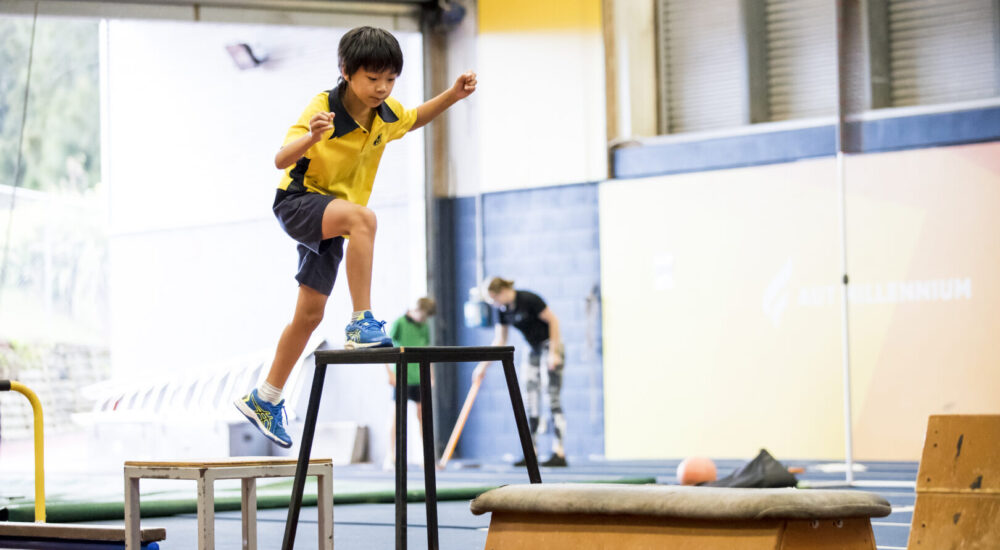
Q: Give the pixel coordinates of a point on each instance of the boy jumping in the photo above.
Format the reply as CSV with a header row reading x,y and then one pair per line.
x,y
330,157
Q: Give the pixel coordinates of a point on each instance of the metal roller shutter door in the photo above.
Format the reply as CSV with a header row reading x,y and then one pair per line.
x,y
801,58
702,62
942,51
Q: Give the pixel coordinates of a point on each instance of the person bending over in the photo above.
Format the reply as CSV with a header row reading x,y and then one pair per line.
x,y
527,312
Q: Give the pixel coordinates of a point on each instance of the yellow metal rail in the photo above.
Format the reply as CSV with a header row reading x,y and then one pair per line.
x,y
36,408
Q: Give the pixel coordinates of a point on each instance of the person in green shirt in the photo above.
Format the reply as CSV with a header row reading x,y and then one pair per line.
x,y
409,330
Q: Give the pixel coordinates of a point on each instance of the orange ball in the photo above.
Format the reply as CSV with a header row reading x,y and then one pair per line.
x,y
695,469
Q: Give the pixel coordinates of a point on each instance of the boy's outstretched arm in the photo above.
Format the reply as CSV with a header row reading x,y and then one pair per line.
x,y
464,85
291,153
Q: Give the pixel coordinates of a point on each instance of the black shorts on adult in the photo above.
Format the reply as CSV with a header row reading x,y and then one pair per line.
x,y
301,216
412,393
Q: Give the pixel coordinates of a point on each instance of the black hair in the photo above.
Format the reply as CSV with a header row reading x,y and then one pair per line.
x,y
369,48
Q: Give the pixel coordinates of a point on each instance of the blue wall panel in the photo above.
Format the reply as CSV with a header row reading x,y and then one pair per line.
x,y
547,241
724,152
930,130
869,136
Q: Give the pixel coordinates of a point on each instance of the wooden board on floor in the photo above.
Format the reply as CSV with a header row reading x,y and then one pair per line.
x,y
510,530
65,531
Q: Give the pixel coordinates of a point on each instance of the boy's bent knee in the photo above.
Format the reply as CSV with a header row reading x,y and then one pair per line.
x,y
365,220
345,218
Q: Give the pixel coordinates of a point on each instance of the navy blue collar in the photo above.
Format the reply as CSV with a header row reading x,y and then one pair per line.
x,y
343,123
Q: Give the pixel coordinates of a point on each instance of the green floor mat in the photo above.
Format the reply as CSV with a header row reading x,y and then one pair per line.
x,y
275,494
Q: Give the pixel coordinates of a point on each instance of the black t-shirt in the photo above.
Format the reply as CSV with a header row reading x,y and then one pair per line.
x,y
523,314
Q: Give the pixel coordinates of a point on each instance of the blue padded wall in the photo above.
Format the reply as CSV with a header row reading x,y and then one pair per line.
x,y
547,241
754,149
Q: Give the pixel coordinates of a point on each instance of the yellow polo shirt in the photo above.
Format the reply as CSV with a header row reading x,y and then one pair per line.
x,y
344,164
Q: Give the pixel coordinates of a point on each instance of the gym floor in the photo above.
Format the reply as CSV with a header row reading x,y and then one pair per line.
x,y
371,526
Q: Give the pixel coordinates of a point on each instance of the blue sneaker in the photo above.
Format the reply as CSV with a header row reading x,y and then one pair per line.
x,y
366,333
268,418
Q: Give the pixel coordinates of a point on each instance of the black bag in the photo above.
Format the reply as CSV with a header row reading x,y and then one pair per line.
x,y
760,473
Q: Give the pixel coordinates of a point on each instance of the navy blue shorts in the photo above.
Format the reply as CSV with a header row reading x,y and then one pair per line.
x,y
301,216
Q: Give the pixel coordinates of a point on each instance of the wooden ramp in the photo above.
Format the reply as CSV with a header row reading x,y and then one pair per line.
x,y
70,536
584,517
958,485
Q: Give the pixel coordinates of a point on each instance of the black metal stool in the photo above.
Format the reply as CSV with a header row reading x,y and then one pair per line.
x,y
402,357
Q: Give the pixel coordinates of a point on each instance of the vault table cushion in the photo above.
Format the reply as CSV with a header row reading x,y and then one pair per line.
x,y
703,503
601,516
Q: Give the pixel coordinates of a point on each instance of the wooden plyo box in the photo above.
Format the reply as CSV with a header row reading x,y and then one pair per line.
x,y
581,516
207,472
958,485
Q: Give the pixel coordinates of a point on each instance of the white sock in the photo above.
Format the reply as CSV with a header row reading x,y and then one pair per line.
x,y
358,315
269,393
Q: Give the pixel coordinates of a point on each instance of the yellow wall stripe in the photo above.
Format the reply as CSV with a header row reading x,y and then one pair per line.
x,y
535,15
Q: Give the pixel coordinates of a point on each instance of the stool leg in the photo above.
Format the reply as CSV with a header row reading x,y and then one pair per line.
x,y
521,419
305,447
206,513
401,453
430,481
133,535
249,508
324,507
